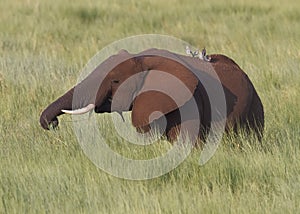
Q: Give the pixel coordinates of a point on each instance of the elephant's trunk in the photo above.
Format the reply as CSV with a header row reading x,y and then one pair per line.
x,y
78,100
50,114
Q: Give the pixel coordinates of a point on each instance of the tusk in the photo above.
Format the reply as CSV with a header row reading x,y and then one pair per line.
x,y
83,110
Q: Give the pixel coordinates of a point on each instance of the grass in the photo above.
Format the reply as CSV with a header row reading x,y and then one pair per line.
x,y
45,44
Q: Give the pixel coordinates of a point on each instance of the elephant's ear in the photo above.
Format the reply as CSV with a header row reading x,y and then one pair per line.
x,y
164,90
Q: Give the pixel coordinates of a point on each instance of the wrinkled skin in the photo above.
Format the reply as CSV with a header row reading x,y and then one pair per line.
x,y
103,88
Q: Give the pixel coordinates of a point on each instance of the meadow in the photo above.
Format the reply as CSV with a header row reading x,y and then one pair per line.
x,y
44,45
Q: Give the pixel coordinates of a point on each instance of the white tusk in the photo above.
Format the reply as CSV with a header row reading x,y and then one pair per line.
x,y
83,110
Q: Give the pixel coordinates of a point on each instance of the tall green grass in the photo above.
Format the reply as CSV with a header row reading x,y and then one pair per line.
x,y
45,44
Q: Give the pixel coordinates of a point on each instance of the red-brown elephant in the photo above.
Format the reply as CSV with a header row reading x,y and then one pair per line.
x,y
150,93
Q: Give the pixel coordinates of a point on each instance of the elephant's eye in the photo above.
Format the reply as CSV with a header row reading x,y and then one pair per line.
x,y
115,81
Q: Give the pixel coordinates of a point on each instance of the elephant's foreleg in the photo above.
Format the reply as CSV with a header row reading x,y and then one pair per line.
x,y
189,129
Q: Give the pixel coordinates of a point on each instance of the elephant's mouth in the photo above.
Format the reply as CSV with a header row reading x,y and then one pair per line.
x,y
105,106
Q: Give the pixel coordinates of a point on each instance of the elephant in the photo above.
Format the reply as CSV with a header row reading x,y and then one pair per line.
x,y
104,90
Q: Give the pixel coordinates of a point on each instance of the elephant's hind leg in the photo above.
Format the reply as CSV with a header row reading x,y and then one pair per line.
x,y
255,118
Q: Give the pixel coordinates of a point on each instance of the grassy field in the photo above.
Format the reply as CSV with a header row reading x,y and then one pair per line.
x,y
45,44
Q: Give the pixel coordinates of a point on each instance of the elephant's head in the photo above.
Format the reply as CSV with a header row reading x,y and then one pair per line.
x,y
145,83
